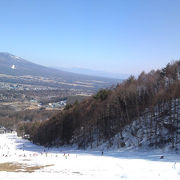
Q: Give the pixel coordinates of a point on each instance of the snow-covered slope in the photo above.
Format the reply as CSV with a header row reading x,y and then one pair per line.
x,y
82,164
155,129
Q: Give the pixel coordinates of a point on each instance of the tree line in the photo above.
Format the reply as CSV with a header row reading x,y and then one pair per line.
x,y
100,117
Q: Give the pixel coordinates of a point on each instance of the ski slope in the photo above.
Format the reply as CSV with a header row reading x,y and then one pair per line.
x,y
63,163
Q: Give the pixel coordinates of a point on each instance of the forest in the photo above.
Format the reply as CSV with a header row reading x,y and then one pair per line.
x,y
152,99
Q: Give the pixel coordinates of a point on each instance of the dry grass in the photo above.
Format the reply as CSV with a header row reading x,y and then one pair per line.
x,y
18,167
10,167
34,168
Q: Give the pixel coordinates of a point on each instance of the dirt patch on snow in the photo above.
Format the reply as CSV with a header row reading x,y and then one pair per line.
x,y
18,167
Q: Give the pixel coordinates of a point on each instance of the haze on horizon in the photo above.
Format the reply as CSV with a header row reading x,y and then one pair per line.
x,y
114,36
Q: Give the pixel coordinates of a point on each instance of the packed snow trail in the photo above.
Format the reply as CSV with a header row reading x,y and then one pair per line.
x,y
20,159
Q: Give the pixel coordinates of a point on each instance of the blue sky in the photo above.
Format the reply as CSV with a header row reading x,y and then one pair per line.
x,y
125,36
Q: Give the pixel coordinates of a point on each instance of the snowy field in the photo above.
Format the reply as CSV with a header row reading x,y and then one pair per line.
x,y
20,159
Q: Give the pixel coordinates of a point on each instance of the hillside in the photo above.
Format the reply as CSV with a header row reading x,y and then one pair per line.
x,y
138,112
15,69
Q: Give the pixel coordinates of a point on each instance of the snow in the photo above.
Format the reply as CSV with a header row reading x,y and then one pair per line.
x,y
13,67
147,131
86,165
16,57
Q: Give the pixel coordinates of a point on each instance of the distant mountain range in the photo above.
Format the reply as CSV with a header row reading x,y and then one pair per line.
x,y
18,70
97,73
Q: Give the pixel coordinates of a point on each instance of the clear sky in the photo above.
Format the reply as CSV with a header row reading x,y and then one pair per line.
x,y
125,36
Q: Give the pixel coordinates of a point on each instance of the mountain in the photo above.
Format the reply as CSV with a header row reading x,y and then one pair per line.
x,y
18,70
96,73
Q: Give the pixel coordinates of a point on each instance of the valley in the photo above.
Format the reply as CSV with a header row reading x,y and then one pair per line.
x,y
27,88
